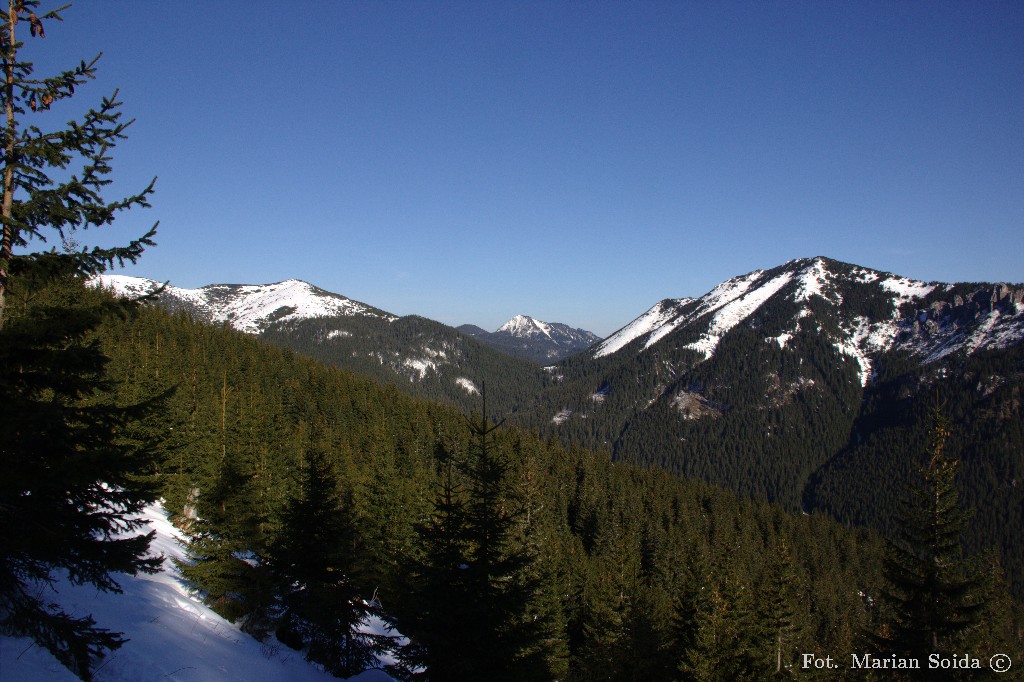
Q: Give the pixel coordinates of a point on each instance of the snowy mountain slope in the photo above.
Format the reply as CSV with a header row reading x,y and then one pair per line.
x,y
172,636
662,318
929,321
249,308
671,314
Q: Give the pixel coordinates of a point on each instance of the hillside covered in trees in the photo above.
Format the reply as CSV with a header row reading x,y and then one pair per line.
x,y
628,569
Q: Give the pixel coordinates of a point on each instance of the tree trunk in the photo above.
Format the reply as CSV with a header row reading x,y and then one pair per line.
x,y
7,239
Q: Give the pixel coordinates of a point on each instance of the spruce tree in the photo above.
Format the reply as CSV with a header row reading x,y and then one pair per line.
x,y
75,469
439,611
72,466
934,593
313,562
43,197
477,582
777,609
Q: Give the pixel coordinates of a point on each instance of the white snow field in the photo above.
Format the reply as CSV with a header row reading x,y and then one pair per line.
x,y
172,636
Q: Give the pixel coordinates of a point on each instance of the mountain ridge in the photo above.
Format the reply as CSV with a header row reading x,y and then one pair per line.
x,y
416,354
789,384
812,384
736,299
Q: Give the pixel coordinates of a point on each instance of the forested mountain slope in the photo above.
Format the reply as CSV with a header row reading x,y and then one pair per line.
x,y
420,356
808,384
789,384
624,560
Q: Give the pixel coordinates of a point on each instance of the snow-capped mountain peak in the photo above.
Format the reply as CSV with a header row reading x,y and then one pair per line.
x,y
524,326
249,308
527,337
864,312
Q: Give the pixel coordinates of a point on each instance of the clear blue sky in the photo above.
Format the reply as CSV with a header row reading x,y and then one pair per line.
x,y
574,161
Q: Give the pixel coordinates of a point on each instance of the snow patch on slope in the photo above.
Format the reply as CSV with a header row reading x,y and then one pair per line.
x,y
124,286
735,311
866,339
172,636
906,289
561,417
655,318
813,281
996,330
468,386
420,366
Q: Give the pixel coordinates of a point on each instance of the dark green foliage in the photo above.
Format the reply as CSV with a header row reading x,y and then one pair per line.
x,y
75,465
475,609
312,561
934,594
778,610
440,615
76,453
617,555
863,483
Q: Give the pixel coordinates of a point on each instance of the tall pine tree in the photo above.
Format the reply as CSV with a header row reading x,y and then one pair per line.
x,y
934,593
477,580
313,563
71,463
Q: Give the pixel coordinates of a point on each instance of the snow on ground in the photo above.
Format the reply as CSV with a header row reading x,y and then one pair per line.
x,y
561,417
248,308
737,309
172,636
865,340
123,285
524,326
812,282
906,289
653,319
731,302
995,330
420,366
468,386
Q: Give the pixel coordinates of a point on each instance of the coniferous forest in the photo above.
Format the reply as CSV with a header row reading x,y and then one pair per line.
x,y
313,497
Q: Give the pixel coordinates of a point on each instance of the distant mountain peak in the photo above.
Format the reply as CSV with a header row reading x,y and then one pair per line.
x,y
524,326
530,338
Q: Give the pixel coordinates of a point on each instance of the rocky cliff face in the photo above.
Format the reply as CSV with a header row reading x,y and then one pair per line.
x,y
965,318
